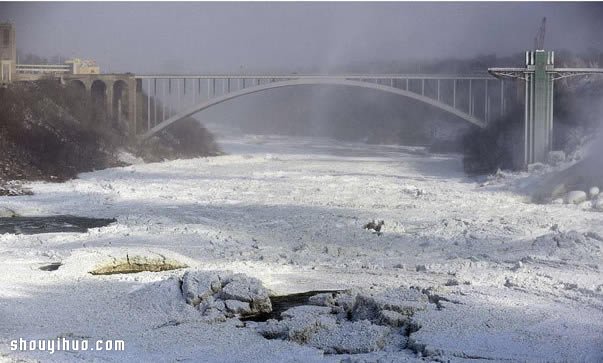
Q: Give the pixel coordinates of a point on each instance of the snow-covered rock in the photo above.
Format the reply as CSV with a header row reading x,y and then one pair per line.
x,y
403,301
200,285
216,293
593,192
318,327
392,318
238,307
247,289
323,299
129,158
350,338
557,201
575,197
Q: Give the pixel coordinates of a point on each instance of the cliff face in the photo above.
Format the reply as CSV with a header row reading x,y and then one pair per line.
x,y
41,138
49,132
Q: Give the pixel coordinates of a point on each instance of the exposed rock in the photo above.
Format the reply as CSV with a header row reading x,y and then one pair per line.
x,y
575,197
598,204
374,226
13,188
451,282
135,264
7,213
593,192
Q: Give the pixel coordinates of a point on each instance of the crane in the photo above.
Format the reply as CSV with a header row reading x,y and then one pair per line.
x,y
539,40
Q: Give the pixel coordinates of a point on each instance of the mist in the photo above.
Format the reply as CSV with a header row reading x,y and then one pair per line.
x,y
325,38
289,37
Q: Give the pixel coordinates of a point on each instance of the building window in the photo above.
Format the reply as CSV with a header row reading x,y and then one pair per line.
x,y
6,37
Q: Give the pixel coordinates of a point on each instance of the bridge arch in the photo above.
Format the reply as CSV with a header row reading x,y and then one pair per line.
x,y
98,93
77,85
309,81
119,101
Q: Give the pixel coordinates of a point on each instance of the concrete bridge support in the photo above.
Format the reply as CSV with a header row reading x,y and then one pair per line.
x,y
538,106
106,86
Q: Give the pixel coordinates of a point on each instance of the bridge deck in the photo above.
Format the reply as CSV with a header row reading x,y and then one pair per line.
x,y
483,76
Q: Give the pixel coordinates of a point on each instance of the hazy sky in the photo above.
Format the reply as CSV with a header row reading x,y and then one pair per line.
x,y
230,37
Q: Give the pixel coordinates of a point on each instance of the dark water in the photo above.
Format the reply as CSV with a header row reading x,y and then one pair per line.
x,y
285,302
51,267
51,224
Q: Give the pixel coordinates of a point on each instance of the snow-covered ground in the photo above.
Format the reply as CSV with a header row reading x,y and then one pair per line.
x,y
507,279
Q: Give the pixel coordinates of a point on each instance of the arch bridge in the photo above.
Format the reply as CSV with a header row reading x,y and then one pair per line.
x,y
147,104
171,98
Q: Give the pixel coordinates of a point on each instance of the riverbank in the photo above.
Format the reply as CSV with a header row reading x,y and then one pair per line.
x,y
52,133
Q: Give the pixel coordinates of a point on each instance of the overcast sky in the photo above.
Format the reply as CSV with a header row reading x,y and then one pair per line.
x,y
230,37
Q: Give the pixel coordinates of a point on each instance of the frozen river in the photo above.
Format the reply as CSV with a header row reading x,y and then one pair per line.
x,y
511,279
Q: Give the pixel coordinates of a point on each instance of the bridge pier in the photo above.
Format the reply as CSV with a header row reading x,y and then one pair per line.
x,y
132,109
109,100
539,76
111,104
539,107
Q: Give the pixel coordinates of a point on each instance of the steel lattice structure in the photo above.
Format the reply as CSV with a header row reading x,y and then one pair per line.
x,y
539,76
